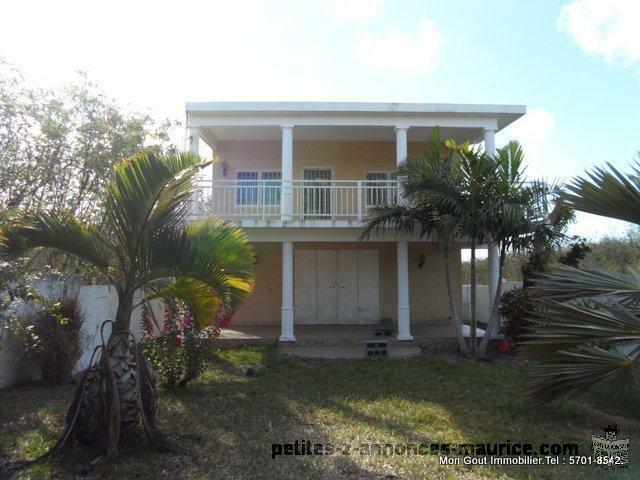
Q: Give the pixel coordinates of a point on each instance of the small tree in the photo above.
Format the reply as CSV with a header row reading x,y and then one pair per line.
x,y
142,244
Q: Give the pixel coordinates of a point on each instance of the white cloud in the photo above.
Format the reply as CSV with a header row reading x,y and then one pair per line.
x,y
345,11
607,29
533,131
399,51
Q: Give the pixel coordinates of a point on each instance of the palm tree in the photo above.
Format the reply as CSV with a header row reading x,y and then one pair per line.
x,y
465,194
415,213
143,244
443,197
516,211
469,211
587,329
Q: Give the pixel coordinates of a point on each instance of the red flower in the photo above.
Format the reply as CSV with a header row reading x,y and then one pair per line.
x,y
224,319
505,346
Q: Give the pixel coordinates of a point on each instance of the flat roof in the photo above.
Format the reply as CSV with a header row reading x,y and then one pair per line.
x,y
363,121
505,114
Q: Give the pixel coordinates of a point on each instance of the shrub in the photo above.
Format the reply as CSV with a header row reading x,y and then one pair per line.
x,y
516,306
52,338
178,349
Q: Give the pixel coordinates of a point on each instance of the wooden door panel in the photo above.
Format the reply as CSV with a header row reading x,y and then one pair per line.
x,y
347,281
368,287
304,287
326,300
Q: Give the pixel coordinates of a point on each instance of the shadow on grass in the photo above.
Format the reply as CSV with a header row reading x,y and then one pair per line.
x,y
231,420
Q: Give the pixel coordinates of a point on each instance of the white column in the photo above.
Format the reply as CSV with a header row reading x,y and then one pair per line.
x,y
194,147
404,323
490,141
401,154
194,141
401,144
494,253
287,293
494,264
286,203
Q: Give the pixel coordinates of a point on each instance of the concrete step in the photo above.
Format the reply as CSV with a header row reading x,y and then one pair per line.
x,y
347,352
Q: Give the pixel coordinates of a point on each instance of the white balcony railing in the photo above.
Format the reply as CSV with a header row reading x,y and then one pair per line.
x,y
310,199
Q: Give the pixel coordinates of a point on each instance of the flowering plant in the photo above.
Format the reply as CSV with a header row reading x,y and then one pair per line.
x,y
177,348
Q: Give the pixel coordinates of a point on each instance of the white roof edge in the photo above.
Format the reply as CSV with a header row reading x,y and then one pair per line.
x,y
353,107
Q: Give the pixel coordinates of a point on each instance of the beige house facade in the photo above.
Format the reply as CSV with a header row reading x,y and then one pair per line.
x,y
301,178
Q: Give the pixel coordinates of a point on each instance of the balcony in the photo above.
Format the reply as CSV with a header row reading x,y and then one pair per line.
x,y
301,202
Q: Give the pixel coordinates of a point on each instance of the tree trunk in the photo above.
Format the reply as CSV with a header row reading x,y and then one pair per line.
x,y
123,314
494,317
114,402
462,344
474,323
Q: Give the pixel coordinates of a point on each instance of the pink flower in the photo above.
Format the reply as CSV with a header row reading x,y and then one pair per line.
x,y
187,320
224,319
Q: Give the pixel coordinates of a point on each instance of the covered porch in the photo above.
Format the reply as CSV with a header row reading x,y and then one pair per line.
x,y
327,335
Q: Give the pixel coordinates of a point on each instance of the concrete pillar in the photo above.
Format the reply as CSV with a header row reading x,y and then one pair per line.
x,y
490,141
401,154
494,252
401,144
194,147
286,204
287,293
404,322
494,266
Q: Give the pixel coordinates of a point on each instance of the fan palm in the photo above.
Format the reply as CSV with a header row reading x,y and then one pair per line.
x,y
587,330
143,244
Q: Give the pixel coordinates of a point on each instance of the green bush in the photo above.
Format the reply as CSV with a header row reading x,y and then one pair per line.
x,y
516,306
178,349
52,338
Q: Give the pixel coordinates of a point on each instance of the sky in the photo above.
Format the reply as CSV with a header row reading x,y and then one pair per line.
x,y
574,64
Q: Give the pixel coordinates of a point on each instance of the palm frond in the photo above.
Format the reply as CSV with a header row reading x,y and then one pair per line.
x,y
150,191
200,297
209,251
571,372
607,192
401,218
567,283
60,231
558,326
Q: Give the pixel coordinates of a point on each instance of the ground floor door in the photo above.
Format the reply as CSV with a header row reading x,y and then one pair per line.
x,y
336,287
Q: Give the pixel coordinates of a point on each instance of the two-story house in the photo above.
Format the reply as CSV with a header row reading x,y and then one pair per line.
x,y
300,178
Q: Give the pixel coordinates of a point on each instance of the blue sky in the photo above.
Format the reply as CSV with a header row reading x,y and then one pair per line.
x,y
575,64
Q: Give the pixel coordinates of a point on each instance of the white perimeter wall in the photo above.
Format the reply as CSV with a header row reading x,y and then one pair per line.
x,y
99,303
482,300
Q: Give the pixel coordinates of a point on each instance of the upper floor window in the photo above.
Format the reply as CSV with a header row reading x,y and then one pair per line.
x,y
379,187
258,188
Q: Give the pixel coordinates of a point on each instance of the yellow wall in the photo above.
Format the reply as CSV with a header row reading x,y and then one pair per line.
x,y
264,305
427,296
349,160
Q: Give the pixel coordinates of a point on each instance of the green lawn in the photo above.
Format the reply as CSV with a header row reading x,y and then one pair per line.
x,y
231,420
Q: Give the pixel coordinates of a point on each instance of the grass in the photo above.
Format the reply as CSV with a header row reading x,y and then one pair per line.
x,y
231,420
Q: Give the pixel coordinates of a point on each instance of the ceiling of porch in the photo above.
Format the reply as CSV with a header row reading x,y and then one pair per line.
x,y
334,133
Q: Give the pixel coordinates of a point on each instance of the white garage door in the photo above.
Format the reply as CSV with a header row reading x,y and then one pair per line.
x,y
336,287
